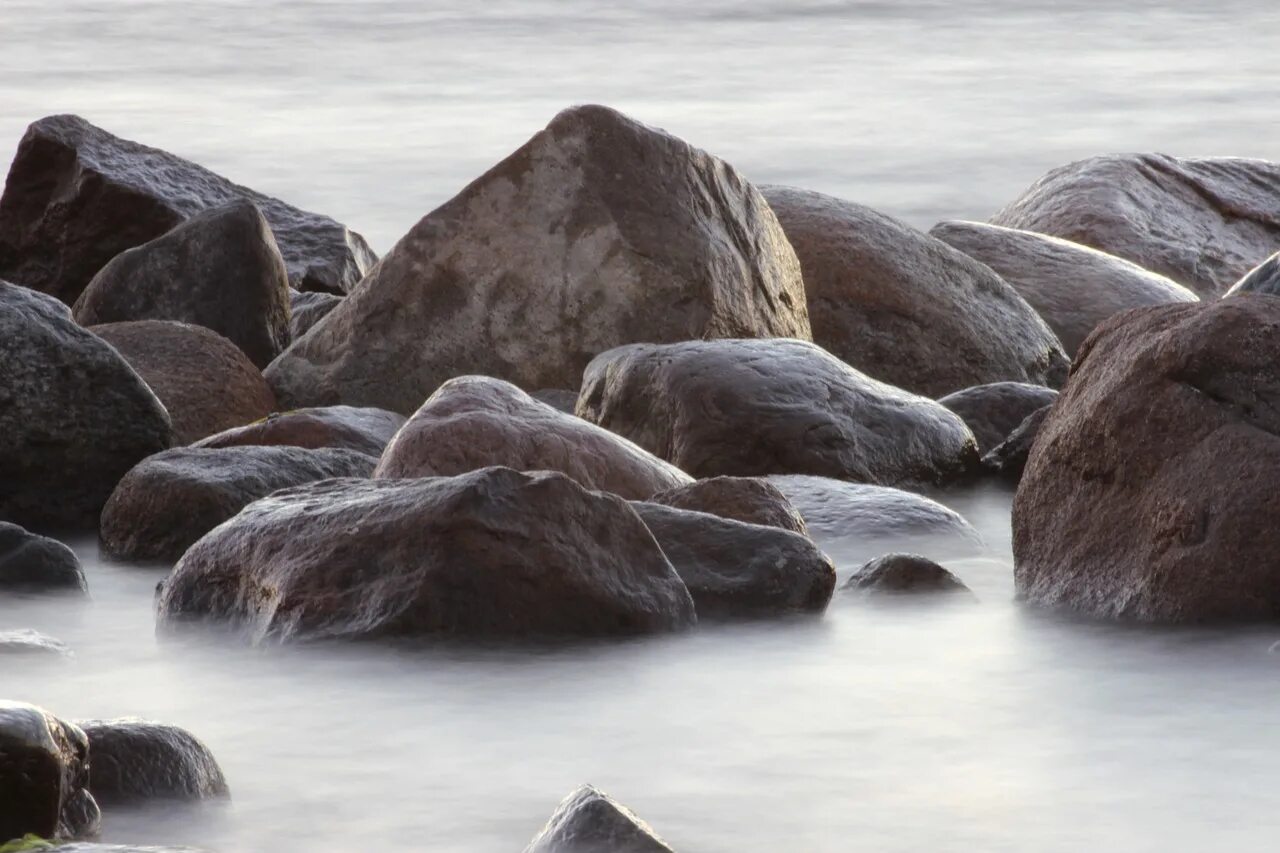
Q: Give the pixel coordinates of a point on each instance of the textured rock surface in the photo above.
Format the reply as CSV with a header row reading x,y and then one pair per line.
x,y
753,500
204,381
904,574
993,411
1073,287
751,407
44,773
1150,491
1008,459
136,760
907,309
557,398
307,309
363,430
32,562
590,821
74,417
597,232
490,554
476,422
76,197
1201,222
1263,279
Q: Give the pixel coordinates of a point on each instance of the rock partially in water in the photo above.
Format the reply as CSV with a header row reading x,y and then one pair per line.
x,y
906,308
1262,279
30,562
754,407
753,500
904,574
489,554
77,196
993,411
597,232
1009,458
477,422
308,308
137,760
29,643
1201,222
204,381
170,500
362,430
590,821
44,776
75,417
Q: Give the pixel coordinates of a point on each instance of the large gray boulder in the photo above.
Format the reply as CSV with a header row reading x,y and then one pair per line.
x,y
590,821
1264,279
29,562
138,760
993,411
365,430
44,776
599,231
906,308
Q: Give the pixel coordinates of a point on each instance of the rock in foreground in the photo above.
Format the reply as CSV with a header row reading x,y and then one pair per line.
x,y
993,411
135,760
362,430
752,500
590,821
904,574
44,774
30,562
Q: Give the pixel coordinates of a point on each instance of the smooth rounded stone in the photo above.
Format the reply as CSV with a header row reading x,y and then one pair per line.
x,y
752,407
1009,458
752,500
307,309
44,774
74,416
1262,279
736,570
904,574
590,821
558,398
993,411
204,381
363,430
27,642
477,422
1149,495
30,562
1073,287
170,500
77,196
492,554
906,308
599,231
136,760
220,269
1201,222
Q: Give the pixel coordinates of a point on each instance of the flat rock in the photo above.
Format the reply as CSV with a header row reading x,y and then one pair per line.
x,y
137,760
364,430
307,308
993,411
27,642
904,574
44,774
590,821
1263,279
753,500
30,562
1008,459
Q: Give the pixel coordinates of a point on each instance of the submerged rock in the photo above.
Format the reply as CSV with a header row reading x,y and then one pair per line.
x,y
1262,279
904,574
1009,458
27,642
993,411
752,500
590,821
362,430
44,774
31,562
307,309
136,760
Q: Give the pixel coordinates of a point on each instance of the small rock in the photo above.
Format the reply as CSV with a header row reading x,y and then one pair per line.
x,y
590,821
899,574
1009,458
752,500
28,642
30,562
993,411
365,431
136,760
44,774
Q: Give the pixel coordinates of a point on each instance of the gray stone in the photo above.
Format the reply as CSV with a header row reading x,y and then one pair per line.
x,y
1008,459
993,411
44,774
363,430
1262,279
137,760
32,562
308,308
590,821
904,574
753,500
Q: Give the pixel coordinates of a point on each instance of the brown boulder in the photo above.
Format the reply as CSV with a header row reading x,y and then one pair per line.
x,y
752,500
137,760
363,430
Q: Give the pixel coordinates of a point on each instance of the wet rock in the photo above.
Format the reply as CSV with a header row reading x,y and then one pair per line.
x,y
1149,494
1008,459
362,430
476,422
204,381
76,197
1073,287
590,821
31,562
993,411
1201,222
74,417
752,500
904,574
44,774
1262,279
906,308
736,570
489,554
307,309
557,398
597,232
170,500
220,269
136,760
752,407
26,642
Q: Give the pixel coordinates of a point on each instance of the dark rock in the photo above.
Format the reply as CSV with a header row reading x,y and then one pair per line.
x,y
31,562
363,430
907,309
1073,287
135,760
74,417
597,232
748,499
307,309
170,500
993,411
32,643
1201,222
477,422
557,398
76,197
1262,279
590,821
204,381
489,554
751,407
1009,458
734,569
44,774
901,574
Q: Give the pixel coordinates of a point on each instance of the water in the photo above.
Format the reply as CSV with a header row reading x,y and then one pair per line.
x,y
882,729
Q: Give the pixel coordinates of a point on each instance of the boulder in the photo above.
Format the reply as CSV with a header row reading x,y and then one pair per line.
x,y
1149,492
492,554
1008,459
136,760
74,417
76,197
220,269
476,422
599,231
993,411
590,821
363,430
1263,279
204,381
1073,287
170,500
30,643
44,776
736,570
904,574
906,308
308,308
31,562
752,407
753,500
1201,222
